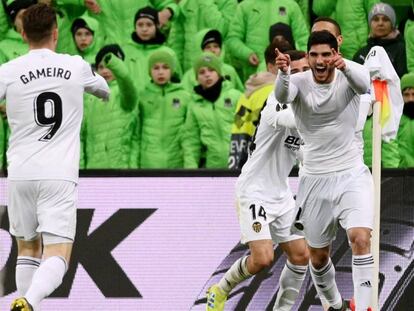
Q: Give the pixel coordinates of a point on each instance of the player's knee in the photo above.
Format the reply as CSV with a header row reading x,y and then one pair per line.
x,y
360,243
263,260
300,257
319,260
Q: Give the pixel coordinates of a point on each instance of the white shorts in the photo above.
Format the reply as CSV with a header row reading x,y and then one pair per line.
x,y
263,221
42,206
324,201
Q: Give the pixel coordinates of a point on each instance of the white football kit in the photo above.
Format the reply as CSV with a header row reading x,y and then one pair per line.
x,y
265,202
334,184
44,104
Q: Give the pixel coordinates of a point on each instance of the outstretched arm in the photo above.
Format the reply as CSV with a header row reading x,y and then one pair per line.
x,y
284,91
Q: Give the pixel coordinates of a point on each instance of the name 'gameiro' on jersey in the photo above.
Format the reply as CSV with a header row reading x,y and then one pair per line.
x,y
48,72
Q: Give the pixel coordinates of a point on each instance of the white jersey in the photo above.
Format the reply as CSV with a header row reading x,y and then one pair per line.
x,y
265,174
44,104
326,116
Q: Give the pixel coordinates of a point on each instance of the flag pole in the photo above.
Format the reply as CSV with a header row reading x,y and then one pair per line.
x,y
376,174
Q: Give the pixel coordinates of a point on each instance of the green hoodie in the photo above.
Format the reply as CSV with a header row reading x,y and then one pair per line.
x,y
4,22
163,110
249,30
390,157
117,17
409,44
90,52
352,16
208,126
12,46
406,141
109,132
195,16
189,80
3,143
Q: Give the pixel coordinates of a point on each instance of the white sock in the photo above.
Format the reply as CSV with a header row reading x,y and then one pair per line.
x,y
324,281
290,282
236,274
46,279
362,269
26,266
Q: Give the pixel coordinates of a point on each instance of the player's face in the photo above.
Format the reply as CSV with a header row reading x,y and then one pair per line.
x,y
145,29
18,22
161,73
207,77
331,28
408,95
319,56
213,47
105,73
380,26
300,65
83,38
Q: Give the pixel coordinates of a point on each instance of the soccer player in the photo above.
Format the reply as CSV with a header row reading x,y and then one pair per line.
x,y
266,206
44,101
335,186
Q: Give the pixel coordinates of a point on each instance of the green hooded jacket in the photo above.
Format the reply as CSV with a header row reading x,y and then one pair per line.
x,y
405,140
189,80
163,110
249,30
4,22
3,143
409,44
117,17
390,157
12,46
352,16
196,15
109,132
208,126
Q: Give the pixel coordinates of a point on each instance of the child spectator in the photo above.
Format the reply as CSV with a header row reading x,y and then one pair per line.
x,y
85,35
384,33
13,45
210,40
352,16
195,16
109,131
208,125
406,131
248,34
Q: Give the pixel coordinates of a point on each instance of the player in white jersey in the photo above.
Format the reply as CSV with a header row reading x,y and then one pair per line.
x,y
44,101
266,206
334,185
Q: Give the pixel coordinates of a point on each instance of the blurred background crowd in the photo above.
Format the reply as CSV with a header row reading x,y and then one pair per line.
x,y
189,78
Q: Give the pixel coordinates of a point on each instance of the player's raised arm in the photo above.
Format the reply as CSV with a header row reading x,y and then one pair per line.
x,y
94,83
284,92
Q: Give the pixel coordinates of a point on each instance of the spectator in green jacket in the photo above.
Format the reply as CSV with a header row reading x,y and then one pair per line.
x,y
2,142
248,34
409,40
406,131
385,33
85,33
115,16
163,108
207,130
109,133
210,40
352,16
145,39
13,45
196,15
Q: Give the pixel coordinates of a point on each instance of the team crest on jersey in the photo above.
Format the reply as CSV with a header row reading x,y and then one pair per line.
x,y
257,226
228,103
282,11
176,103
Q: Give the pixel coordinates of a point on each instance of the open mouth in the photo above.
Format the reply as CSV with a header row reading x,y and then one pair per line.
x,y
320,70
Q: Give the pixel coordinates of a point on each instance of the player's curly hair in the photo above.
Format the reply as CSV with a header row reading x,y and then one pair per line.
x,y
322,37
39,21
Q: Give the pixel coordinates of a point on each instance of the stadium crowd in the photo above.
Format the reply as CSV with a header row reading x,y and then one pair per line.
x,y
189,78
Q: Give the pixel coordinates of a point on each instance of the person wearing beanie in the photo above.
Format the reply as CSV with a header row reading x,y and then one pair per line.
x,y
145,39
13,45
405,135
383,32
210,40
116,17
85,33
163,108
282,31
207,130
110,132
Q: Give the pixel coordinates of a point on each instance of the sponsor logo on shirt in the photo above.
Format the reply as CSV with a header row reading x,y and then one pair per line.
x,y
228,103
176,103
293,143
